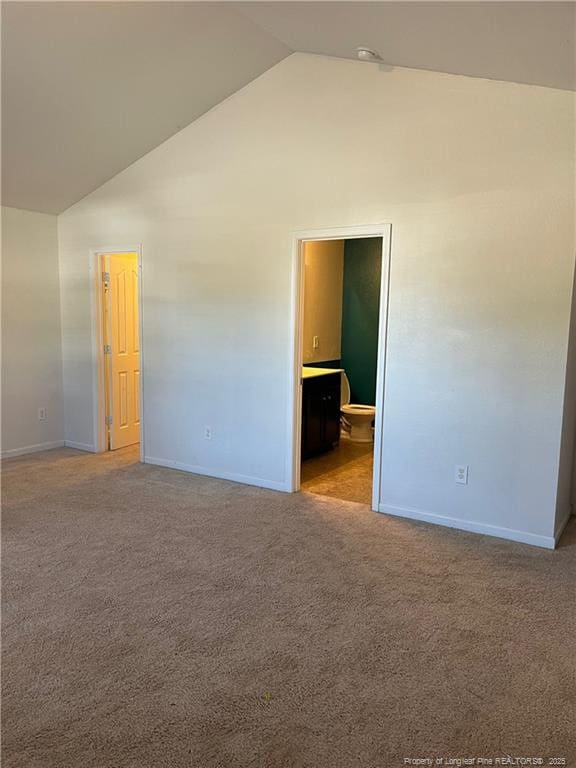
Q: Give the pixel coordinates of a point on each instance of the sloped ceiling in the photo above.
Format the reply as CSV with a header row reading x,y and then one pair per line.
x,y
89,87
524,42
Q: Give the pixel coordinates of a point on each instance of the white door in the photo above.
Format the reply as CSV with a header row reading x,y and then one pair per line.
x,y
122,347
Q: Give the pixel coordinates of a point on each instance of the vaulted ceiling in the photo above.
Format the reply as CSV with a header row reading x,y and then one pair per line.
x,y
89,87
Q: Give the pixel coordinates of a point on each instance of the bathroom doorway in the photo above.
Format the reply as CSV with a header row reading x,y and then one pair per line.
x,y
340,320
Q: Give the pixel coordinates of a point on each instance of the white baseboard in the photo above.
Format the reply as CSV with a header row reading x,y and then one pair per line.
x,y
80,446
12,452
524,537
198,470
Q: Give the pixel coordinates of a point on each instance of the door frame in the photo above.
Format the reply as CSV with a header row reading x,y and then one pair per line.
x,y
296,355
98,362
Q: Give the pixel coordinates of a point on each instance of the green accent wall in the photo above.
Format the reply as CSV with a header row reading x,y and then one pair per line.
x,y
360,309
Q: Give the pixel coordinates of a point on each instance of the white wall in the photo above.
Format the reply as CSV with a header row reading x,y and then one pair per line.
x,y
477,179
567,465
31,339
566,500
323,285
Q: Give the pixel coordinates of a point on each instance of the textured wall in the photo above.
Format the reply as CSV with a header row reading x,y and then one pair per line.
x,y
360,309
477,180
31,339
323,272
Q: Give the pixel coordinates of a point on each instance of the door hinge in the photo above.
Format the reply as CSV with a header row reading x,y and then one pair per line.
x,y
107,349
105,277
108,421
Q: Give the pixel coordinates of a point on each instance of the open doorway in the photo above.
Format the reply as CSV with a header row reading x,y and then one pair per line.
x,y
120,332
341,308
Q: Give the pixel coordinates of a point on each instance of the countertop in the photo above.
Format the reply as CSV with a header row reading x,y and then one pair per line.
x,y
309,373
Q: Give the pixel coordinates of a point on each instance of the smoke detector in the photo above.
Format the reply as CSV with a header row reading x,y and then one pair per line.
x,y
367,54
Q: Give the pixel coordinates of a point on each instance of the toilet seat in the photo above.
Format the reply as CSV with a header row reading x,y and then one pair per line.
x,y
351,408
344,390
356,419
363,410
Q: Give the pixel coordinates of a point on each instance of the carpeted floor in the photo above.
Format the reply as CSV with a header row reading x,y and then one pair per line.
x,y
343,473
153,618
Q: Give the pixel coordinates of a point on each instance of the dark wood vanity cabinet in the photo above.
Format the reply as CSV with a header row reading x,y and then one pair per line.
x,y
320,413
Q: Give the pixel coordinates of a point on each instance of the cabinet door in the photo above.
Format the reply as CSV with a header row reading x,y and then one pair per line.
x,y
313,420
331,416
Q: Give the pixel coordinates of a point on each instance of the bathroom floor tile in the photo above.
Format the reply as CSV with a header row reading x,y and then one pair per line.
x,y
343,473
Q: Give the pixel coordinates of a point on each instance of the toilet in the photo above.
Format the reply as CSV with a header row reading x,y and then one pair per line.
x,y
355,419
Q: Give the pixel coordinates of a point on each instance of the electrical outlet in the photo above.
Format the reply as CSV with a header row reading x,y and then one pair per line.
x,y
315,342
41,414
208,433
461,474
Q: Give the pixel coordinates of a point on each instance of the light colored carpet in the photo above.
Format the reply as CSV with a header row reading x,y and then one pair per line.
x,y
153,618
342,473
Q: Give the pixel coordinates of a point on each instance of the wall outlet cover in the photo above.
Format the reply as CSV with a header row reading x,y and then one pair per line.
x,y
461,474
